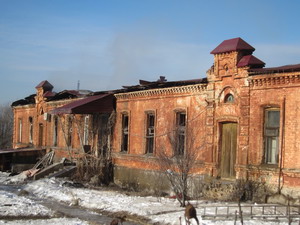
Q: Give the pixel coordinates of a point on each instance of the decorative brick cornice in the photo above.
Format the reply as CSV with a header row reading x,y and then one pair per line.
x,y
271,80
189,89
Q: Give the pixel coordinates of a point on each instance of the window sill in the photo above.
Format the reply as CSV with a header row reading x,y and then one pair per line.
x,y
123,152
269,166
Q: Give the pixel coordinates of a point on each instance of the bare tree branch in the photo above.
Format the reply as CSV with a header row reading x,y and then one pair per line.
x,y
178,162
6,126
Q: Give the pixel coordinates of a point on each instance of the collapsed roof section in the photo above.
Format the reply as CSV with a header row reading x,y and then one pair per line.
x,y
162,83
53,96
69,94
73,94
26,101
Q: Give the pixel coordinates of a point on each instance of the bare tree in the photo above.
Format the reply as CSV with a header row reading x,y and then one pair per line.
x,y
178,163
6,126
96,164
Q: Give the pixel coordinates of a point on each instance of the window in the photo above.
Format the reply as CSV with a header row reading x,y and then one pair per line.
x,y
30,120
55,131
70,131
229,98
226,68
271,135
150,133
125,131
180,132
20,131
86,130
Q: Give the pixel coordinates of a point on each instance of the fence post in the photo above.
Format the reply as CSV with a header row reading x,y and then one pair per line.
x,y
289,213
235,217
241,213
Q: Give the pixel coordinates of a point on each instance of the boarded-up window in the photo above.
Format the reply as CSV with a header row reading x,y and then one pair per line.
x,y
125,132
271,135
180,132
150,128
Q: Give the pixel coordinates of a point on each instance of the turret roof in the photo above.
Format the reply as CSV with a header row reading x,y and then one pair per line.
x,y
235,44
45,85
250,60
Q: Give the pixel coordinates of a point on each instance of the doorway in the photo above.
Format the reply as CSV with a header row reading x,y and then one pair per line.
x,y
228,149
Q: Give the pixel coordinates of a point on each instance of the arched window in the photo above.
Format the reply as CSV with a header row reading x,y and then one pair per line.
x,y
226,68
229,98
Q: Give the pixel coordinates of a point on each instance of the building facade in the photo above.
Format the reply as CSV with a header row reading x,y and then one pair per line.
x,y
241,120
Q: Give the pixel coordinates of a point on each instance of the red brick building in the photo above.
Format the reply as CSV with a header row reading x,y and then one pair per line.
x,y
242,122
70,122
242,119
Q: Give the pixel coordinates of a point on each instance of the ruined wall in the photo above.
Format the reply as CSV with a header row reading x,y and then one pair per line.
x,y
43,129
21,115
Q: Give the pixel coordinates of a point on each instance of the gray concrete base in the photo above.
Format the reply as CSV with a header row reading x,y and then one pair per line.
x,y
152,181
141,180
155,182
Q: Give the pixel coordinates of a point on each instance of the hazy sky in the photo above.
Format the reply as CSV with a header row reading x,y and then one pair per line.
x,y
107,44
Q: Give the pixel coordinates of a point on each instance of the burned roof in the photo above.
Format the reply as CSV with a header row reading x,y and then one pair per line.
x,y
234,44
26,101
69,94
280,69
53,96
161,83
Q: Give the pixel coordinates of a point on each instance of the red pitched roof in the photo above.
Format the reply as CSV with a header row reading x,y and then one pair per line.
x,y
94,104
250,60
49,94
45,85
235,44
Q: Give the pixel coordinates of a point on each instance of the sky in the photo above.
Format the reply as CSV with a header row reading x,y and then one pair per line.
x,y
107,44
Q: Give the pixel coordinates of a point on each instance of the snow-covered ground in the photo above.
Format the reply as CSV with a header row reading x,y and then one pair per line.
x,y
54,221
18,209
161,210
